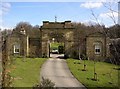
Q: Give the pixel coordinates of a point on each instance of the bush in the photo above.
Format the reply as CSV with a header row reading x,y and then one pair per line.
x,y
44,55
61,49
75,55
45,83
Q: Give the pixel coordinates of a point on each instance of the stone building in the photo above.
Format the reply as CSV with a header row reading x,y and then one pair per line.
x,y
97,46
36,43
115,51
61,31
24,43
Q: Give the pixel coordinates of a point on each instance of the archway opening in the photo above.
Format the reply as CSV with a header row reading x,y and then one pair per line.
x,y
56,47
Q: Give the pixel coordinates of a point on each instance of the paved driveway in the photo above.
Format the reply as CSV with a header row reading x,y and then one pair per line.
x,y
57,71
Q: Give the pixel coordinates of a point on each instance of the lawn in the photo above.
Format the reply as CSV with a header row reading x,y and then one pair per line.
x,y
55,45
26,73
107,75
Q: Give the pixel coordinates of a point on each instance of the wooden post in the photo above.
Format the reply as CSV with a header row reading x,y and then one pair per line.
x,y
95,74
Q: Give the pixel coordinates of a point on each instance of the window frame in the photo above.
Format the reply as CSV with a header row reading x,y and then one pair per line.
x,y
97,48
16,48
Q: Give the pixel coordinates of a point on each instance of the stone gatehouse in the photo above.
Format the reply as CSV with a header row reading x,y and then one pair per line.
x,y
36,43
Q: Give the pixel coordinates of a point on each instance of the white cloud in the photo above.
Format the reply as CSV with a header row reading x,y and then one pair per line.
x,y
3,27
5,7
109,18
109,14
58,0
92,22
111,1
0,12
48,0
96,3
91,5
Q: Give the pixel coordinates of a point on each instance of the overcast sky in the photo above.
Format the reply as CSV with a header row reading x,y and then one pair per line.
x,y
37,11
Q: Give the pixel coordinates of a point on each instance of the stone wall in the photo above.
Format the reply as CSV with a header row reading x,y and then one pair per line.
x,y
69,44
91,41
13,39
37,42
59,28
30,43
34,47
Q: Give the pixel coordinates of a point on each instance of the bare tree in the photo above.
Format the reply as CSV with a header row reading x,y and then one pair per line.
x,y
24,25
6,59
112,17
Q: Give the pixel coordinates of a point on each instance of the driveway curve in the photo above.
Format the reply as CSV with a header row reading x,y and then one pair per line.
x,y
57,71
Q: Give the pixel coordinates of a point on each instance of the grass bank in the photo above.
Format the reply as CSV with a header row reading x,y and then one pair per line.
x,y
26,73
107,74
55,45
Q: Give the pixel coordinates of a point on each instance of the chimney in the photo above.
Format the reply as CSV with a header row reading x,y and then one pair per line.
x,y
67,24
45,23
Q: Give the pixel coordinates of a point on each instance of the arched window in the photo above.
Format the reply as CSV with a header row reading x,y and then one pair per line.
x,y
17,48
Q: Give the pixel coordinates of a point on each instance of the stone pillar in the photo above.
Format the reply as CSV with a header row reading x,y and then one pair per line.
x,y
44,44
44,48
68,43
48,48
27,54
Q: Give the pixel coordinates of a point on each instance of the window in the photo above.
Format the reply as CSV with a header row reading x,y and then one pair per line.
x,y
97,49
16,48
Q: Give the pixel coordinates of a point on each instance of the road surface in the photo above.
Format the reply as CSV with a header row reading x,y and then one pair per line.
x,y
57,71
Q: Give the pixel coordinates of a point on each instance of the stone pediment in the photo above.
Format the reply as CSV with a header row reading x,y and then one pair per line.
x,y
96,34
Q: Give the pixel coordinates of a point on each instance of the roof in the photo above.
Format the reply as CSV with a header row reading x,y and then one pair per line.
x,y
58,25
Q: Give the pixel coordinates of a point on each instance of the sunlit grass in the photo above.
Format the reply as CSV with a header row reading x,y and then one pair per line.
x,y
107,75
26,73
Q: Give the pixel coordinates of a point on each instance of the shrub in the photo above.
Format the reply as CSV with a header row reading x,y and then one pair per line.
x,y
45,83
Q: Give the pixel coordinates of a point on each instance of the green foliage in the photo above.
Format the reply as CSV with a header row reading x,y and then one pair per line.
x,y
106,74
75,55
26,73
55,45
6,78
61,49
44,55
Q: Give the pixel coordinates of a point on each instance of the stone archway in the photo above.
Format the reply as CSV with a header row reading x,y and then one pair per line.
x,y
61,31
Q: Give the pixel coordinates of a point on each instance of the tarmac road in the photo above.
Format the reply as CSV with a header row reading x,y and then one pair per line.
x,y
57,71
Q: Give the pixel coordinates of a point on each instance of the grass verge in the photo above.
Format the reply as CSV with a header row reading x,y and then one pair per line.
x,y
26,73
107,74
